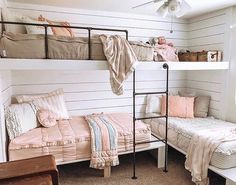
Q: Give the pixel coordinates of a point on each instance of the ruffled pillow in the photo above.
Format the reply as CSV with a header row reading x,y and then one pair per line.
x,y
46,118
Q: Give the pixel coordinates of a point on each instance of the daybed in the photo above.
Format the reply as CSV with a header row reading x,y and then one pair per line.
x,y
181,130
69,140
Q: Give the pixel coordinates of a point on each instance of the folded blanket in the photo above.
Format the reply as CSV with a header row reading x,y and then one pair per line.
x,y
121,60
103,141
201,149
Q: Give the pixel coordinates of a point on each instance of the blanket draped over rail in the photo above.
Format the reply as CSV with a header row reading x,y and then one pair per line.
x,y
121,60
104,142
201,149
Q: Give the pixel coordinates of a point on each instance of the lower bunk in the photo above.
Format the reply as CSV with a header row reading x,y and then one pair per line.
x,y
182,130
69,140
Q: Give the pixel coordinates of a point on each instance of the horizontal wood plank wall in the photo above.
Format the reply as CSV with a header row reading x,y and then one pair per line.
x,y
210,83
140,27
210,32
5,99
207,32
89,92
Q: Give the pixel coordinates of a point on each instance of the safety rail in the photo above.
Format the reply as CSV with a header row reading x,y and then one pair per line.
x,y
46,26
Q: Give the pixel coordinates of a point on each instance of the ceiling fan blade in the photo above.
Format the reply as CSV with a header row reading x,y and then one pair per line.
x,y
184,8
147,3
163,10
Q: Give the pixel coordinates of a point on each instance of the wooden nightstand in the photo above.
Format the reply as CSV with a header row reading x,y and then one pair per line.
x,y
34,171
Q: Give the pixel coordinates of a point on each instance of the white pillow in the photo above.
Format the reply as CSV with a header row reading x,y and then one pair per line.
x,y
153,104
54,103
29,98
20,118
12,17
35,29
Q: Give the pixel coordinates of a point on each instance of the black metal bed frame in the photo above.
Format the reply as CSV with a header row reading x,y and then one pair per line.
x,y
165,66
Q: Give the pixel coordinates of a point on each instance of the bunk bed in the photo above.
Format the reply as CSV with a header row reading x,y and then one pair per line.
x,y
85,64
20,146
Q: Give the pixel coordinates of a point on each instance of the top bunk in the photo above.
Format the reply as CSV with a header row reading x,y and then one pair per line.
x,y
42,50
50,64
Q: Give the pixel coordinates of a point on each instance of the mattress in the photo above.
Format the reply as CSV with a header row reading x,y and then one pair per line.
x,y
70,139
180,132
61,47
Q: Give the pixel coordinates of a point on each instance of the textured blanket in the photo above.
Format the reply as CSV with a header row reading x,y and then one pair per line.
x,y
103,141
121,60
201,149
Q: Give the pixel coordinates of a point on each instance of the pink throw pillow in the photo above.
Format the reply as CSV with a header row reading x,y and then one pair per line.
x,y
182,107
46,118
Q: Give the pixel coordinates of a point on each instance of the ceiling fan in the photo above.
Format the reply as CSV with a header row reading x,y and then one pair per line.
x,y
172,7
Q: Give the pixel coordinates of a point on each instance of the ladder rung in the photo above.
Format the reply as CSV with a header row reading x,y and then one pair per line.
x,y
151,117
145,93
153,141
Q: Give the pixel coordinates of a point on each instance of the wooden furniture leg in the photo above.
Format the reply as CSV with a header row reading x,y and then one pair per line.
x,y
107,171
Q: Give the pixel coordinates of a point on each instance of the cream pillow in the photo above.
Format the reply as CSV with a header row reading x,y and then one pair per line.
x,y
29,98
36,29
20,118
10,16
153,104
54,103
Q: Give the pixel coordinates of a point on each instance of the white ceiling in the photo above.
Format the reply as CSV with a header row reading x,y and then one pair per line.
x,y
198,6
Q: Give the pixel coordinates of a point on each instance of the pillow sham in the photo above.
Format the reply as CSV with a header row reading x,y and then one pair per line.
x,y
153,104
54,103
46,118
186,94
58,31
20,118
29,98
178,106
201,106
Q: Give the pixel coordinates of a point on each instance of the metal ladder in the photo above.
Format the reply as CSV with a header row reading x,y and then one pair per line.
x,y
166,92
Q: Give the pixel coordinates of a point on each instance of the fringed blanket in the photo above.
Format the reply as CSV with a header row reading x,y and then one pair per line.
x,y
103,141
121,60
201,149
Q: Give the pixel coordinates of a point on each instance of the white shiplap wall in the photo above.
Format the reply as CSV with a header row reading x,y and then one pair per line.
x,y
210,32
5,99
89,92
140,27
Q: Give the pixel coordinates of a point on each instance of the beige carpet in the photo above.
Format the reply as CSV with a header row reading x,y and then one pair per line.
x,y
148,174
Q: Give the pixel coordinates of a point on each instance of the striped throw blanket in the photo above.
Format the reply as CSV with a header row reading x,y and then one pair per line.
x,y
104,141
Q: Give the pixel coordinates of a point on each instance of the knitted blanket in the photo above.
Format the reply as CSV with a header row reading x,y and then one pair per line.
x,y
103,141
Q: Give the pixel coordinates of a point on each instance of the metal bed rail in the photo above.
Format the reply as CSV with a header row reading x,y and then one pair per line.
x,y
46,26
166,92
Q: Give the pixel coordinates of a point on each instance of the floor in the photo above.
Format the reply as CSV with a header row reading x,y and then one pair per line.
x,y
147,172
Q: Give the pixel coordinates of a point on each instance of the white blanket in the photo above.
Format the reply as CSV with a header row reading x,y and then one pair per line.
x,y
121,60
200,151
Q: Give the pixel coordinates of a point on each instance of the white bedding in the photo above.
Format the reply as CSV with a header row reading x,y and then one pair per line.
x,y
180,132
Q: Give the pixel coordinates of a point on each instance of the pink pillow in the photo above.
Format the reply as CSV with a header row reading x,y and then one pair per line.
x,y
46,118
178,106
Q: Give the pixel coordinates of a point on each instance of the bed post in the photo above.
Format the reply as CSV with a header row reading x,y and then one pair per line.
x,y
165,66
46,41
134,119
